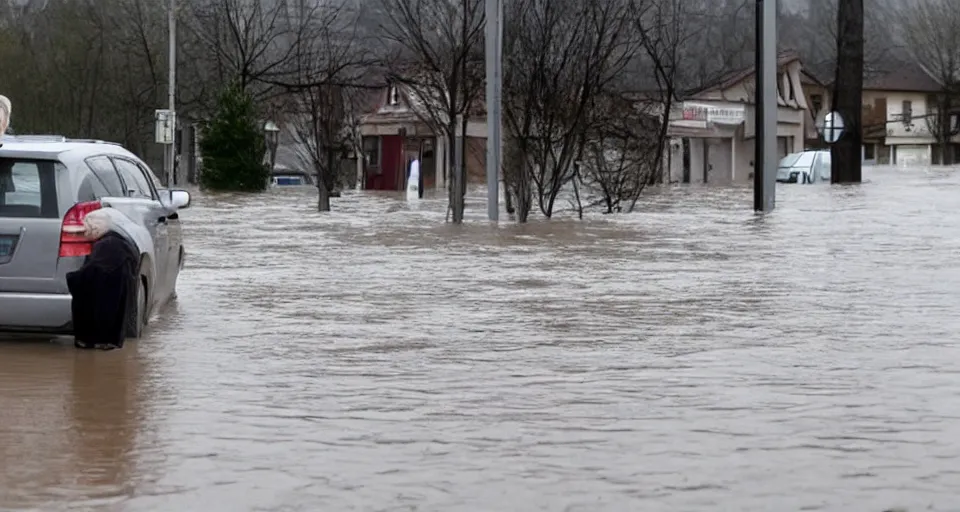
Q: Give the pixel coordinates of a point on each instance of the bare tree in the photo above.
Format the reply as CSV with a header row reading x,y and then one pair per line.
x,y
559,57
317,124
248,42
723,26
439,59
93,68
622,150
814,35
324,110
665,31
931,30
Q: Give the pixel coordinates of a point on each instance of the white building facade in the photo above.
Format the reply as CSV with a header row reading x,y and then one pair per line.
x,y
713,130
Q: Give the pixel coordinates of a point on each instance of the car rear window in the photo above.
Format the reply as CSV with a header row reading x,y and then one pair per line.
x,y
28,188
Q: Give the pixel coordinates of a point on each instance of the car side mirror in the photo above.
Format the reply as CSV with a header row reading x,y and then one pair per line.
x,y
180,199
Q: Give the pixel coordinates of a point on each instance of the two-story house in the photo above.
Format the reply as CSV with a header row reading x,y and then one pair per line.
x,y
897,114
399,127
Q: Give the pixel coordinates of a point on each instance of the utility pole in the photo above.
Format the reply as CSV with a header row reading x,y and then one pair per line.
x,y
170,152
765,107
494,58
847,161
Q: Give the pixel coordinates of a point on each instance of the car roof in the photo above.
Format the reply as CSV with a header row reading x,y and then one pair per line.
x,y
805,151
57,147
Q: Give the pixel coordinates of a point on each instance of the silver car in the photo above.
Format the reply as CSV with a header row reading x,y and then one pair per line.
x,y
47,186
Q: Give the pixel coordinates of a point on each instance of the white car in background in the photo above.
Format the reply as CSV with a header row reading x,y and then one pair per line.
x,y
806,167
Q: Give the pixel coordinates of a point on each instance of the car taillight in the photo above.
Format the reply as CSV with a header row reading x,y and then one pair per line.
x,y
72,241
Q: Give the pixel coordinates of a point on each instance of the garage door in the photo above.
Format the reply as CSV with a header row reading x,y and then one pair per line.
x,y
912,155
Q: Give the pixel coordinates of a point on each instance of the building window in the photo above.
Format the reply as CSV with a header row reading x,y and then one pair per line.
x,y
817,101
371,151
868,152
906,113
790,91
393,96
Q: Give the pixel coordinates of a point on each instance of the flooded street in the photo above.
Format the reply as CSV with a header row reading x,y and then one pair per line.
x,y
688,357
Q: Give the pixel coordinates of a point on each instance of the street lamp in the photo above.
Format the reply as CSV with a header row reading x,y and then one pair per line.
x,y
493,28
765,106
170,151
272,133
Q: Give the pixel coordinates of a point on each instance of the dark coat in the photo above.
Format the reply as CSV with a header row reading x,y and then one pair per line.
x,y
104,291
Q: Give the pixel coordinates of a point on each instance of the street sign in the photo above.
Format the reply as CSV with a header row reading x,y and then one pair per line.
x,y
165,123
832,127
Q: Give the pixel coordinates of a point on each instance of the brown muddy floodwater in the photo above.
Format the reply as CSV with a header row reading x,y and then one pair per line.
x,y
688,357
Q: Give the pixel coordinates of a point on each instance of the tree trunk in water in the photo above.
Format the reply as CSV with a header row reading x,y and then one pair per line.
x,y
516,180
508,199
323,204
463,163
456,180
524,194
323,184
848,93
944,130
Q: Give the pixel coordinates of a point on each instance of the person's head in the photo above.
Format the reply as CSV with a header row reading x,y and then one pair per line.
x,y
5,109
96,224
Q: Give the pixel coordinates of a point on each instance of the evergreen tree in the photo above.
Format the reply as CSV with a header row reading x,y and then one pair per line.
x,y
233,145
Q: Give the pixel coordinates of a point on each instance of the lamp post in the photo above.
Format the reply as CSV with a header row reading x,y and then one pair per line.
x,y
765,107
170,152
272,133
494,60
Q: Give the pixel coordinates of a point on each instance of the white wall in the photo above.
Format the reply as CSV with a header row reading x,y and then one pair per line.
x,y
675,161
912,154
720,161
744,156
696,160
895,128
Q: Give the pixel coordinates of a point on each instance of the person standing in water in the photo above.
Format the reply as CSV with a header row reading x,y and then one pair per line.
x,y
104,289
414,190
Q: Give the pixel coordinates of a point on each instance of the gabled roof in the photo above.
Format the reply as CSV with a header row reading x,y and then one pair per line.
x,y
904,77
733,78
808,78
414,102
900,75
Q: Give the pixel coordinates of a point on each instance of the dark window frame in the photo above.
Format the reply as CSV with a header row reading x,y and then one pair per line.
x,y
153,193
379,151
49,197
906,112
816,101
152,178
90,177
123,185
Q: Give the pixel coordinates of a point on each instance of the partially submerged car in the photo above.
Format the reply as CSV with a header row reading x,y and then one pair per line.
x,y
48,184
805,167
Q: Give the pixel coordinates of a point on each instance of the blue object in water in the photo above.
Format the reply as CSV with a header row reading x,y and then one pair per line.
x,y
288,180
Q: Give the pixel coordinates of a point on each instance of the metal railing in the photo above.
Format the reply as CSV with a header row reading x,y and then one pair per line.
x,y
53,138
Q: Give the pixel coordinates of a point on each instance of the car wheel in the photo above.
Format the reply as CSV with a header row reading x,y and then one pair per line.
x,y
137,318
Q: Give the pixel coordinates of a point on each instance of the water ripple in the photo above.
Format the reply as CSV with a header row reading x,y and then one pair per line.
x,y
692,356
